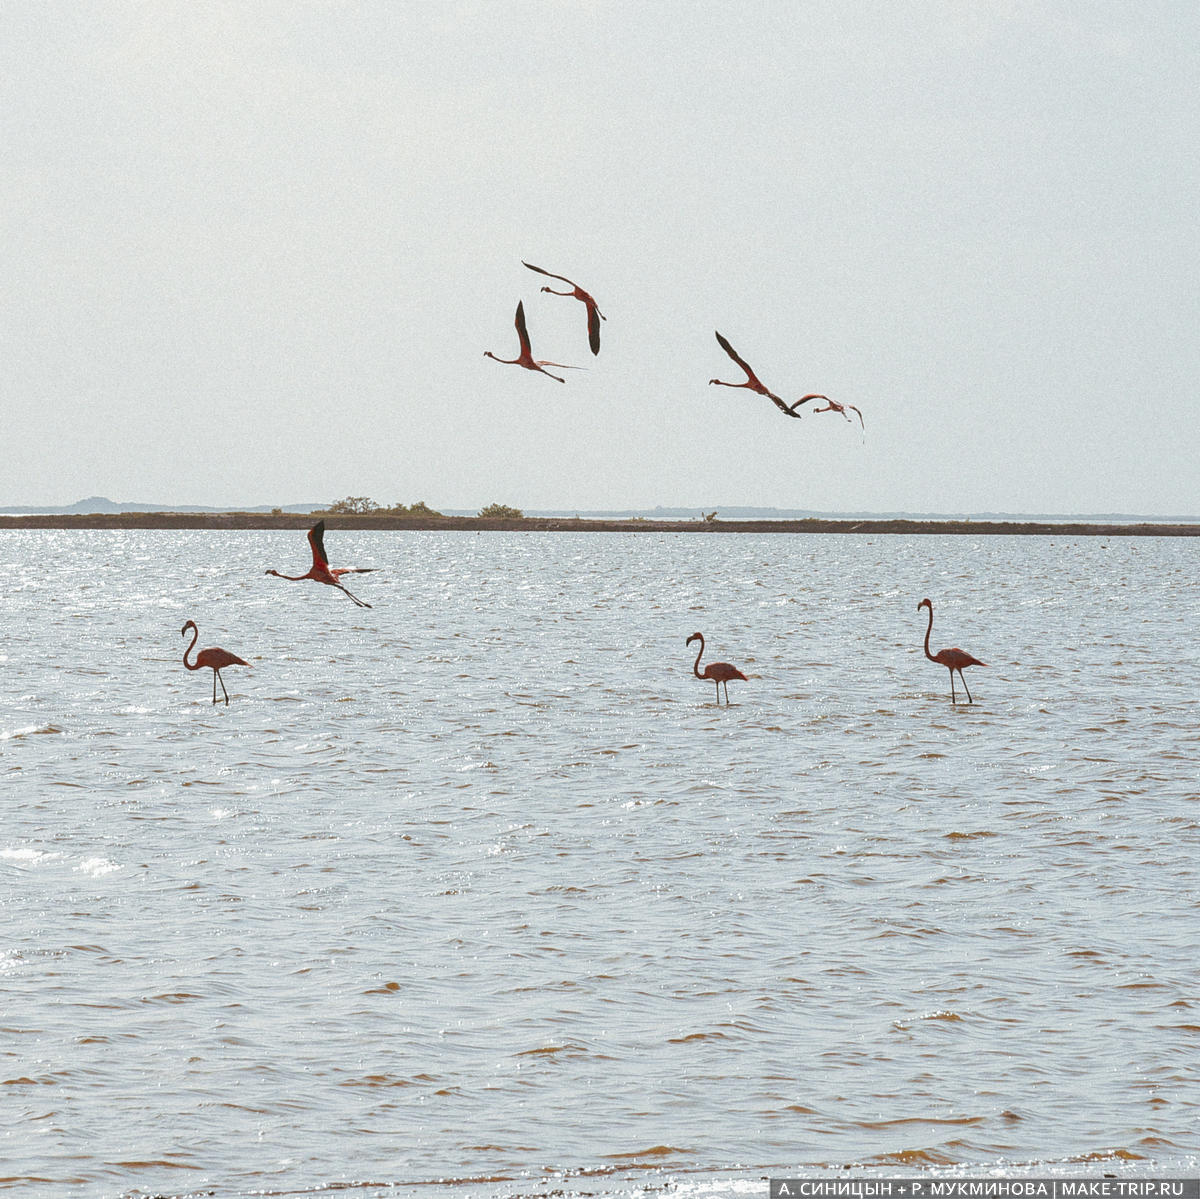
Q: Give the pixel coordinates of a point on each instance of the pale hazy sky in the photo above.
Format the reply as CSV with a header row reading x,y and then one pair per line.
x,y
253,251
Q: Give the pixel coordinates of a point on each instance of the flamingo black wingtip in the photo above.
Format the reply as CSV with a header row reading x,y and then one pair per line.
x,y
316,538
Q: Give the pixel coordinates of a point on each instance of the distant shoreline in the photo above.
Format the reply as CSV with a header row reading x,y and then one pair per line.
x,y
537,524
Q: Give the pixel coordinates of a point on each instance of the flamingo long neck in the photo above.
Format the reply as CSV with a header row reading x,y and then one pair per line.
x,y
292,578
928,630
696,664
190,646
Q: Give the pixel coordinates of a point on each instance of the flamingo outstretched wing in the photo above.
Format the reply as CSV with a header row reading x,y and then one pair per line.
x,y
754,382
735,356
526,352
594,319
548,274
805,399
522,331
316,538
594,315
525,357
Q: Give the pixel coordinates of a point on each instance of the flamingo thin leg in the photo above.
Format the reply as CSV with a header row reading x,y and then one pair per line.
x,y
360,603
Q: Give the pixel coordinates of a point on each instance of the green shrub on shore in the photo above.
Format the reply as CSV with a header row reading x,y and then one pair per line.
x,y
361,505
420,508
355,505
502,512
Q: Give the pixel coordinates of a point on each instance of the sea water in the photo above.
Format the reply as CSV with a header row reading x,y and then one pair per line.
x,y
480,890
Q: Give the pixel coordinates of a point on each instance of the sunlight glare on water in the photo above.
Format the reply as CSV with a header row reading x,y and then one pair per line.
x,y
481,885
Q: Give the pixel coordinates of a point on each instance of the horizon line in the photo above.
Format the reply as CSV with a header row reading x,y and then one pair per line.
x,y
682,511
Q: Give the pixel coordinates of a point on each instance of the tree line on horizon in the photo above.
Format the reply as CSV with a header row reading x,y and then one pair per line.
x,y
361,505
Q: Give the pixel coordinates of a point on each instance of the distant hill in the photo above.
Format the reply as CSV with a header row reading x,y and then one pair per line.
x,y
98,503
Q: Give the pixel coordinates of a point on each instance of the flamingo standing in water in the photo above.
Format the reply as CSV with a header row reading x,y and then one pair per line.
x,y
319,572
719,672
753,383
215,659
525,358
953,659
594,315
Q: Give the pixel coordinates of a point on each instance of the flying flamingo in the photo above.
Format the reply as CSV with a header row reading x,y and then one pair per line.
x,y
594,315
954,659
525,358
752,382
834,406
214,658
719,672
319,572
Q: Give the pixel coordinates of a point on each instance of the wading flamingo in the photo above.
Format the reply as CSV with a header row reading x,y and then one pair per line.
x,y
753,383
719,672
215,659
834,406
319,572
953,659
594,315
525,358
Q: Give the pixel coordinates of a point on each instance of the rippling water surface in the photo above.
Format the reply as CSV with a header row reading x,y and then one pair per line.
x,y
480,885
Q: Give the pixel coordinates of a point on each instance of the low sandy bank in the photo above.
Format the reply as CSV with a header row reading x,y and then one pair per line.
x,y
259,520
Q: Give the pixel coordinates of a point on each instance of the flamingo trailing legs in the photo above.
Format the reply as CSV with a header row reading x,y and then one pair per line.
x,y
320,572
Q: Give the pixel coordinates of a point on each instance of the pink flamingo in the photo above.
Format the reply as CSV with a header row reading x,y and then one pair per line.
x,y
215,659
594,315
319,572
834,406
719,672
525,358
953,659
753,383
